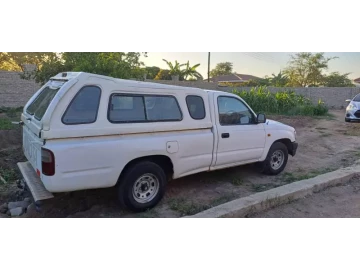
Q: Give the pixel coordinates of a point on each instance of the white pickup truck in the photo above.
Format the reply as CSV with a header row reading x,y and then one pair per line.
x,y
86,131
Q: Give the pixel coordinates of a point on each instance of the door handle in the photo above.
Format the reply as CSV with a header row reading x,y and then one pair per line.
x,y
225,135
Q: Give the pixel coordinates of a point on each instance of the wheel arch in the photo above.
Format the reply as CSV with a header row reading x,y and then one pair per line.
x,y
289,145
265,166
163,161
285,141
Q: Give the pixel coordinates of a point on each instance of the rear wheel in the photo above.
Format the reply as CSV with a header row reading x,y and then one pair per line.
x,y
276,159
347,120
142,186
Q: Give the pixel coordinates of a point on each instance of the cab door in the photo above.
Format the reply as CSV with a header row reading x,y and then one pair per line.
x,y
240,138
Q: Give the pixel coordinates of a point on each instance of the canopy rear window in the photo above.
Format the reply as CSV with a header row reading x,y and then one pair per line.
x,y
39,106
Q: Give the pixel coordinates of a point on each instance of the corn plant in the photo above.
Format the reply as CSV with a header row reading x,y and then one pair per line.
x,y
285,102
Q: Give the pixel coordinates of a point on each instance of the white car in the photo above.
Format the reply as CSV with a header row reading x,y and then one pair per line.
x,y
85,131
353,109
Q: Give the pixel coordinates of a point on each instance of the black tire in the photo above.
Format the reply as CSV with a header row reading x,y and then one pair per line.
x,y
125,188
347,120
266,164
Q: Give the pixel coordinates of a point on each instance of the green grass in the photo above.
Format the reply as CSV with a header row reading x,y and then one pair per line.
x,y
326,116
188,208
237,181
185,207
5,124
9,110
289,177
8,115
9,175
227,175
151,213
263,187
351,133
222,199
284,102
293,177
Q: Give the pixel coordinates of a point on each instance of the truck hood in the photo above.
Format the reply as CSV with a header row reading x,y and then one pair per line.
x,y
271,125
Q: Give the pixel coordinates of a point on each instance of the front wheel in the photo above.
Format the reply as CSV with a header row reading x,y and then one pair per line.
x,y
276,159
347,120
142,186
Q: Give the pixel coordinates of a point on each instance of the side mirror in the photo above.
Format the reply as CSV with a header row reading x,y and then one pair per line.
x,y
348,100
261,118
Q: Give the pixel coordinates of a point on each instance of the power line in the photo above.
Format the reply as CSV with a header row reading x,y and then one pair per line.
x,y
266,57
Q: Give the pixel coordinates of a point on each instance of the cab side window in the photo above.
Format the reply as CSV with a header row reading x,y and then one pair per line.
x,y
233,111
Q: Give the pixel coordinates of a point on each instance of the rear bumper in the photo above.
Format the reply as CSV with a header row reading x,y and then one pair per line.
x,y
34,183
293,148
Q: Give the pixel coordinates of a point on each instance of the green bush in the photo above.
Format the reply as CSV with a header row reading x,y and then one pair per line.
x,y
284,102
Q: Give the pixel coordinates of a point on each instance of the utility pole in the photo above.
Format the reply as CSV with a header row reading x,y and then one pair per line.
x,y
209,67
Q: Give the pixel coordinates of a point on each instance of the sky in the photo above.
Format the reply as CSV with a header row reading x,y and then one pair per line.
x,y
257,64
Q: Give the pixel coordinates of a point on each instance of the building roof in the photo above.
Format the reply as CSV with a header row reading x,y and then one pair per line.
x,y
357,80
235,77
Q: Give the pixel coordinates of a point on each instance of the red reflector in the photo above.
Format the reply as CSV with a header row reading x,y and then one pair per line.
x,y
38,172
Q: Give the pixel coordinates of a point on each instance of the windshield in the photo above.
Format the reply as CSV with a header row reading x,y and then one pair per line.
x,y
357,98
39,106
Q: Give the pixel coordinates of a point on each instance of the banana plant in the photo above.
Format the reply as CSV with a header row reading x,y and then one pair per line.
x,y
279,80
192,72
175,69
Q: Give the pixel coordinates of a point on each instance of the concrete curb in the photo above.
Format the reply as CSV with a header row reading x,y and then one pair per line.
x,y
264,200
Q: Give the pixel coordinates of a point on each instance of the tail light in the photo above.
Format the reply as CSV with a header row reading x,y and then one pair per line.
x,y
47,162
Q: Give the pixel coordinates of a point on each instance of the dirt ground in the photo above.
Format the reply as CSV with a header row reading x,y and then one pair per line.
x,y
336,202
325,144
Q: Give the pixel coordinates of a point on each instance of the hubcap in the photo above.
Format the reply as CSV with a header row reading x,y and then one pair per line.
x,y
145,188
277,159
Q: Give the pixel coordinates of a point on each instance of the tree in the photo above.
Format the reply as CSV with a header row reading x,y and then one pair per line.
x,y
115,64
175,70
306,69
50,62
335,79
164,75
279,80
192,72
49,68
224,68
15,61
151,72
258,82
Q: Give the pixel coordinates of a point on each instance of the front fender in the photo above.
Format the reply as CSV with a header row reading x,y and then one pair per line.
x,y
277,135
